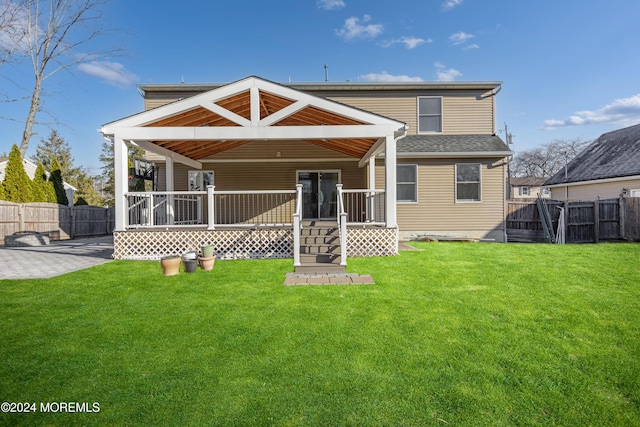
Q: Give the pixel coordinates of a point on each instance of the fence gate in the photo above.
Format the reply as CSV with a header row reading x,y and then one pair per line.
x,y
586,221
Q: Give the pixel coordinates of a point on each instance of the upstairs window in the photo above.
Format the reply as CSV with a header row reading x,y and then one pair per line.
x,y
468,182
525,191
407,183
430,114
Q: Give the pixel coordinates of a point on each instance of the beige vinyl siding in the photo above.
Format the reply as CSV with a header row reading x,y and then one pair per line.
x,y
154,100
437,211
463,113
262,176
467,115
604,190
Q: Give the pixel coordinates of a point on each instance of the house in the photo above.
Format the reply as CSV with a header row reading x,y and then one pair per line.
x,y
607,169
528,187
253,165
30,169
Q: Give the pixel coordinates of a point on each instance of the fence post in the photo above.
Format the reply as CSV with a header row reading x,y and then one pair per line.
x,y
621,218
596,220
72,228
21,217
106,220
566,221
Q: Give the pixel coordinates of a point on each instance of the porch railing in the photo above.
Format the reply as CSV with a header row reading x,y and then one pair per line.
x,y
210,208
297,226
342,225
366,206
153,209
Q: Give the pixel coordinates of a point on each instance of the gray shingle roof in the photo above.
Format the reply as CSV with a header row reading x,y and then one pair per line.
x,y
453,144
613,155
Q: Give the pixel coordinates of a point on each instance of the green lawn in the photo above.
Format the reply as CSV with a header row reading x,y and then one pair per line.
x,y
457,334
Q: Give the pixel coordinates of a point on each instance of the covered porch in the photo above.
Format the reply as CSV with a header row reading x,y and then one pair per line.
x,y
320,167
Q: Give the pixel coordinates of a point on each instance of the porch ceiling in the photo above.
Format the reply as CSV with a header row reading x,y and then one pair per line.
x,y
261,107
240,104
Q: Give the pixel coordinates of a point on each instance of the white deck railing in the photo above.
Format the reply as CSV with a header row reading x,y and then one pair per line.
x,y
342,225
210,208
244,208
365,206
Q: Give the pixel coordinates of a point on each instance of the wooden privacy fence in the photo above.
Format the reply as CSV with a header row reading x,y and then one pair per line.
x,y
61,222
585,221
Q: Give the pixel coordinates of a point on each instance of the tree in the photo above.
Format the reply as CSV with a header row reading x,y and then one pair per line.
x,y
55,177
17,185
55,147
52,33
42,189
86,193
544,161
108,171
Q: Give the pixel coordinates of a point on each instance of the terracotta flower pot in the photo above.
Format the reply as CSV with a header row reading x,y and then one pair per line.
x,y
206,263
170,265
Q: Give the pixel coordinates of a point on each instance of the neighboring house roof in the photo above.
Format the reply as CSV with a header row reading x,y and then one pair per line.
x,y
527,181
30,169
613,155
452,145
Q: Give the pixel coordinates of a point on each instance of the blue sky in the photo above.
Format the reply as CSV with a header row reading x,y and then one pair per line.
x,y
570,69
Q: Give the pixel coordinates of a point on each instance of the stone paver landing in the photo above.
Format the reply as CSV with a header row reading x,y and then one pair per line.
x,y
299,279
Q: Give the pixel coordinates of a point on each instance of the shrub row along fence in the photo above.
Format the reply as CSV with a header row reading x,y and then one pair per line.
x,y
59,221
584,221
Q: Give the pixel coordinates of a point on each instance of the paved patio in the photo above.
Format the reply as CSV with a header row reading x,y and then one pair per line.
x,y
57,258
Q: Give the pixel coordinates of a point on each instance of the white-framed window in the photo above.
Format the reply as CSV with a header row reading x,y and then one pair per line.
x,y
468,182
198,180
525,191
429,114
634,193
407,183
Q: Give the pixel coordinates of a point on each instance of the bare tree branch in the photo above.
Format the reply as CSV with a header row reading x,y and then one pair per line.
x,y
544,161
52,34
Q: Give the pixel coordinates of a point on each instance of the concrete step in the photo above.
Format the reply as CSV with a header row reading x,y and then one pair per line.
x,y
320,268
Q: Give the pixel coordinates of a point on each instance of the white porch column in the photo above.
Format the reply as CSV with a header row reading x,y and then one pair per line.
x,y
170,187
390,180
371,204
121,182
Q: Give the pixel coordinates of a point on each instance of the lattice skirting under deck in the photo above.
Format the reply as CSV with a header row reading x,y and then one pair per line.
x,y
375,241
229,244
243,244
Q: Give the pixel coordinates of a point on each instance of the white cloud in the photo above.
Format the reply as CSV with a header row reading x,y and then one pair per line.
x,y
460,37
624,112
331,4
353,29
444,74
450,4
385,77
113,73
408,42
471,46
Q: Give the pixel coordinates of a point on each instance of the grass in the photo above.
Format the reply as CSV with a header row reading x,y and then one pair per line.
x,y
456,334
